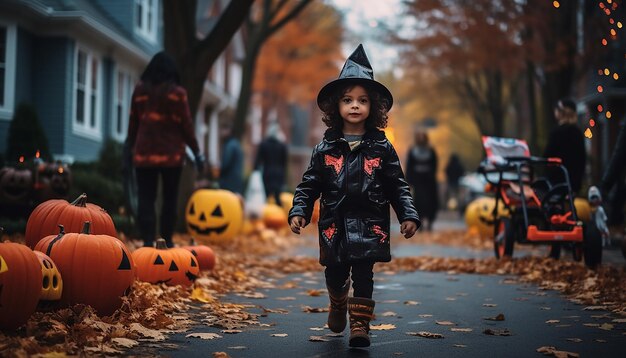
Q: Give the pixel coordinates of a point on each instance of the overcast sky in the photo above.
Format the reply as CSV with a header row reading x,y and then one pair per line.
x,y
362,19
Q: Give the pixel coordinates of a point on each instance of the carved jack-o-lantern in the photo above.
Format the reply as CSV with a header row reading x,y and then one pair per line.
x,y
53,181
175,266
97,269
479,214
20,284
15,184
214,215
52,283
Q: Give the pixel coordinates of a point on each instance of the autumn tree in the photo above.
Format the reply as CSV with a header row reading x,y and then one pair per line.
x,y
267,17
299,58
195,56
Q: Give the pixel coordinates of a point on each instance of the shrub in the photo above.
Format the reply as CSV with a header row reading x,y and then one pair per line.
x,y
26,135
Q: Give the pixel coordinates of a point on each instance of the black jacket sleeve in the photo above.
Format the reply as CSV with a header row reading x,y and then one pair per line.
x,y
308,190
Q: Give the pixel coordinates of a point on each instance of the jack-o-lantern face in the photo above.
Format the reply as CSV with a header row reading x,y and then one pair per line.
x,y
15,184
174,266
52,284
214,214
479,214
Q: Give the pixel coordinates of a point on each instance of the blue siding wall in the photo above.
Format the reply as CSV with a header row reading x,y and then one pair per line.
x,y
23,75
122,10
51,74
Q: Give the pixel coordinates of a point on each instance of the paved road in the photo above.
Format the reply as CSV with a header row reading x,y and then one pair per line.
x,y
465,300
534,317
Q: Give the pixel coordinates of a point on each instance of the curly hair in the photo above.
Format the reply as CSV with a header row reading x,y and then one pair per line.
x,y
378,107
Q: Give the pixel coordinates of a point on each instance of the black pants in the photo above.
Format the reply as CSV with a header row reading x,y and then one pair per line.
x,y
147,184
362,277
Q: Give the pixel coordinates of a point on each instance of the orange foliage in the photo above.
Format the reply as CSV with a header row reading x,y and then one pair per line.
x,y
296,61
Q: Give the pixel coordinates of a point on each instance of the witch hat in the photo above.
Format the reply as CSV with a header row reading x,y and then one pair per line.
x,y
356,70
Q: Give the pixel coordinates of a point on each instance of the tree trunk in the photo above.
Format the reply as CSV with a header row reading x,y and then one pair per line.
x,y
245,92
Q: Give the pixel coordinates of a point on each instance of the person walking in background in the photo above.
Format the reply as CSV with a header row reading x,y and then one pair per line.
x,y
271,159
231,165
357,172
421,173
159,127
567,142
454,172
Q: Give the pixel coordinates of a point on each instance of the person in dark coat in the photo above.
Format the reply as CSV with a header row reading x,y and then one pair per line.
x,y
271,159
567,142
231,162
421,173
454,172
357,172
159,126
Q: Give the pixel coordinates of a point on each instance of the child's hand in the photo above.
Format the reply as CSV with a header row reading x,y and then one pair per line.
x,y
296,223
408,228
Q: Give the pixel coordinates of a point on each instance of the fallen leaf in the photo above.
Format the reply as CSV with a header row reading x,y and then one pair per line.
x,y
121,342
198,294
231,331
389,314
316,328
497,332
591,324
237,347
552,321
489,305
552,351
310,309
253,295
425,315
499,317
313,293
576,340
600,340
606,326
445,323
220,355
450,298
289,298
279,335
545,308
594,308
459,345
455,329
203,335
318,339
619,320
411,303
382,327
426,334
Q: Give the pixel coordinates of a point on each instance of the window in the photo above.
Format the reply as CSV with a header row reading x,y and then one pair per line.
x,y
8,40
146,18
121,104
87,94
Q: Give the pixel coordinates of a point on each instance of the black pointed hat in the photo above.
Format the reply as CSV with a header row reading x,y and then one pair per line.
x,y
356,70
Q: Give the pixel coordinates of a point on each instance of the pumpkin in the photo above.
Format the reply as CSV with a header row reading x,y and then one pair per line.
x,y
46,217
274,216
15,184
20,284
175,266
204,255
479,214
214,215
97,270
52,283
583,209
53,181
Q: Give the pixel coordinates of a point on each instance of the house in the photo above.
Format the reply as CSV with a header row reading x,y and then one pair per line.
x,y
77,62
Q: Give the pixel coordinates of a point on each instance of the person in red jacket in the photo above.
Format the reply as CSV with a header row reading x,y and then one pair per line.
x,y
159,127
357,172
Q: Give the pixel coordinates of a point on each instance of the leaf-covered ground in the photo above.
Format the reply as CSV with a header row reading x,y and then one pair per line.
x,y
247,264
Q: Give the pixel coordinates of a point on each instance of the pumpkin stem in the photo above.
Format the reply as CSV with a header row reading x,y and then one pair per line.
x,y
86,228
160,244
80,201
61,230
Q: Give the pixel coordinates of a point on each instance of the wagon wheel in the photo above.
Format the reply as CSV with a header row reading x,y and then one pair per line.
x,y
592,245
504,238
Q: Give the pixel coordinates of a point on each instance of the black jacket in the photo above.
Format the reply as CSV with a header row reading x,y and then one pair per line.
x,y
356,187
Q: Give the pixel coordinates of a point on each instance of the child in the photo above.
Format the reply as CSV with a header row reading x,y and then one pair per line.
x,y
357,172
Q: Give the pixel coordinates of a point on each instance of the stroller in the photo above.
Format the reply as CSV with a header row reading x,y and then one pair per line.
x,y
540,212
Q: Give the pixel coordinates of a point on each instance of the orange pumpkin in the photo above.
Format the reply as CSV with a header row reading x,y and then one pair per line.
x,y
274,217
20,284
97,269
175,266
204,255
52,283
46,217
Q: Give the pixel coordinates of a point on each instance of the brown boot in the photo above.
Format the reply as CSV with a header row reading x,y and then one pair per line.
x,y
361,313
338,308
